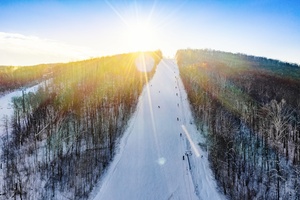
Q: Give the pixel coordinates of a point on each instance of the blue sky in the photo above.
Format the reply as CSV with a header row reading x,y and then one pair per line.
x,y
34,31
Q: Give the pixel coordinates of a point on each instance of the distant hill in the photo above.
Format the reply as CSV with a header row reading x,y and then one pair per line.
x,y
14,77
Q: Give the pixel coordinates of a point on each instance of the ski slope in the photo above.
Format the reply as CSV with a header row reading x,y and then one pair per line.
x,y
158,157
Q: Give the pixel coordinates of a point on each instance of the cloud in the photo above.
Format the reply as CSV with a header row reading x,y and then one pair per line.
x,y
18,49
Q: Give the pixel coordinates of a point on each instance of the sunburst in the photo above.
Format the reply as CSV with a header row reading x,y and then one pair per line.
x,y
142,36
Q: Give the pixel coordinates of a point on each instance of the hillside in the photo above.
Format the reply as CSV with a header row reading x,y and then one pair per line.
x,y
62,137
249,109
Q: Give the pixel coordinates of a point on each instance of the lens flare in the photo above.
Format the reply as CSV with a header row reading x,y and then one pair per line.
x,y
144,63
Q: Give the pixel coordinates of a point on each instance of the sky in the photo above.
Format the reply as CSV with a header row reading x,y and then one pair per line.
x,y
41,31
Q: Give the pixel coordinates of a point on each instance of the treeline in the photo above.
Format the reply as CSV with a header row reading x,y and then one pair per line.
x,y
64,135
12,77
249,110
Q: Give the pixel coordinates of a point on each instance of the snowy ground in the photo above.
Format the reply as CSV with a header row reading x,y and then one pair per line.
x,y
157,158
6,106
7,110
6,113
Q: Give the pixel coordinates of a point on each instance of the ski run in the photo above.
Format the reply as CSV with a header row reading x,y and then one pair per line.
x,y
159,157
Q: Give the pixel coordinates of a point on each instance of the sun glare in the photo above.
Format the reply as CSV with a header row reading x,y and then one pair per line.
x,y
141,36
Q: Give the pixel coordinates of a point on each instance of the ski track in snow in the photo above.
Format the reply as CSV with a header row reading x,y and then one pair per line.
x,y
149,163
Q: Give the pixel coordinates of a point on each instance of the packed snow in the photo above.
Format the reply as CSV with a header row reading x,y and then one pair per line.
x,y
159,157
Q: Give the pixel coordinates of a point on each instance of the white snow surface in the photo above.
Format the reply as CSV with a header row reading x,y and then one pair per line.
x,y
149,161
6,106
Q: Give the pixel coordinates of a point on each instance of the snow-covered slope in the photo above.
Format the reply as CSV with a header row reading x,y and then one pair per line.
x,y
156,158
6,106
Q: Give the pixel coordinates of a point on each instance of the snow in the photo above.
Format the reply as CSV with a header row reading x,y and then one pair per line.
x,y
158,156
6,112
6,106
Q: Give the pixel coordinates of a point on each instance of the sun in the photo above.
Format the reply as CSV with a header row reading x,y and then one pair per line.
x,y
142,36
